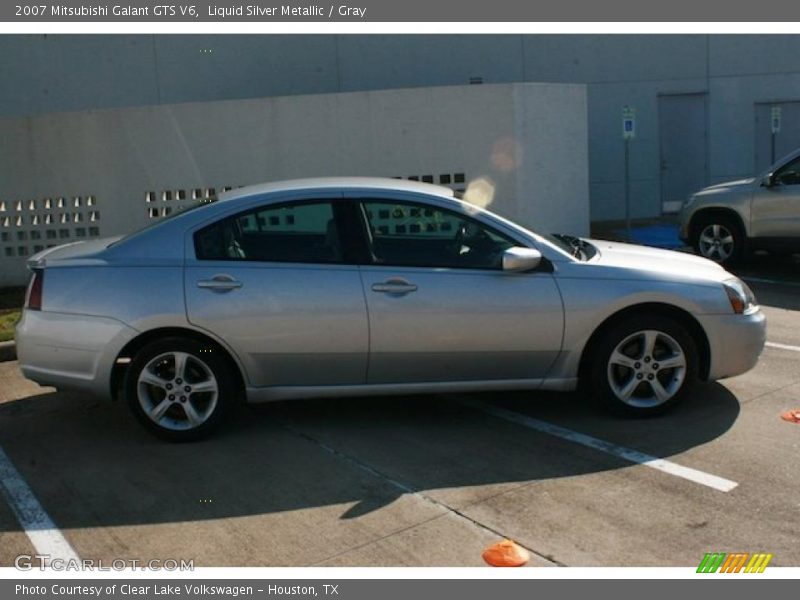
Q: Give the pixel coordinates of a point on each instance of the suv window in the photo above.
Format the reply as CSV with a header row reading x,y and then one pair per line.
x,y
419,235
789,174
297,232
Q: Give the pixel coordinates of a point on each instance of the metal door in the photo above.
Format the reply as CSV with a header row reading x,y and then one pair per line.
x,y
775,212
294,322
432,320
461,325
683,147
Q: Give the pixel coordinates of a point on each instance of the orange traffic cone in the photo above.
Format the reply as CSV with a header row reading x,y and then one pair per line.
x,y
793,416
506,554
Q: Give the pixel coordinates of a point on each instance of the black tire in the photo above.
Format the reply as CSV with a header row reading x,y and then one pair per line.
x,y
205,368
718,228
630,333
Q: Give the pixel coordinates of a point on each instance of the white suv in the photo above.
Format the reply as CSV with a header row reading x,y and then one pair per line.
x,y
723,221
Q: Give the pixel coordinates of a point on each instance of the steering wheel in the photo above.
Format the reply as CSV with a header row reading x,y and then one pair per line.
x,y
478,243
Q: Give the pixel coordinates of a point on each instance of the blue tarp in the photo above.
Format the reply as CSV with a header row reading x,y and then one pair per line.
x,y
660,236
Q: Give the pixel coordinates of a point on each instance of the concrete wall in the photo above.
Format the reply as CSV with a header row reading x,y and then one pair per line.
x,y
508,141
43,74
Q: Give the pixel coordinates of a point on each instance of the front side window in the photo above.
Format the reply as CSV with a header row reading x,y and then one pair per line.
x,y
304,233
788,174
418,235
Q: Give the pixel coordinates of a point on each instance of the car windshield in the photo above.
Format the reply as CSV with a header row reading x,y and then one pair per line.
x,y
574,246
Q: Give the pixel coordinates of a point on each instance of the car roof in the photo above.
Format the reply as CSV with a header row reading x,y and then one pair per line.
x,y
366,183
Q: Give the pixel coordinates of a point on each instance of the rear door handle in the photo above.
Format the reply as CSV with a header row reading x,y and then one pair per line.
x,y
394,286
219,283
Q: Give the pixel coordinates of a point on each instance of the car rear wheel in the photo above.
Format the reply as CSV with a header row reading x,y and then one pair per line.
x,y
643,366
719,239
179,388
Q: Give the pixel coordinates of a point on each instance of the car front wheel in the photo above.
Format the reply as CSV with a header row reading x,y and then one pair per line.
x,y
179,388
643,365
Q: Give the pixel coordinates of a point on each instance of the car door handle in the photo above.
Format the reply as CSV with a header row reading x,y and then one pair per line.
x,y
394,286
219,283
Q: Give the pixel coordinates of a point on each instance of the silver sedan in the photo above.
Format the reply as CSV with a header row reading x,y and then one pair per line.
x,y
356,286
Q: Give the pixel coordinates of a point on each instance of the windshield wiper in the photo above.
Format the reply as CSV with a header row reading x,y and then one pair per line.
x,y
577,245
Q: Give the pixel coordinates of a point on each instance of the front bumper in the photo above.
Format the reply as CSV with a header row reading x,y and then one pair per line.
x,y
683,229
735,342
70,352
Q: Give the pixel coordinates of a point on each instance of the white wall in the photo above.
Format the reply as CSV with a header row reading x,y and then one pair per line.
x,y
552,175
516,137
43,74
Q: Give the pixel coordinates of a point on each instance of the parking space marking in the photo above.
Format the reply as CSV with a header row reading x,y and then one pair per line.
x,y
782,346
39,527
718,483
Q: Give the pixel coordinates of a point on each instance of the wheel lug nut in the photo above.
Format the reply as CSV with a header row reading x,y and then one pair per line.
x,y
655,365
171,397
169,386
183,398
639,376
647,359
187,389
179,381
650,377
637,365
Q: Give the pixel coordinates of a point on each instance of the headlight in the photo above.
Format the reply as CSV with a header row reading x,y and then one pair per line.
x,y
742,299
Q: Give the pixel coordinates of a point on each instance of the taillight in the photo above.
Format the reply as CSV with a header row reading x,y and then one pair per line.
x,y
33,300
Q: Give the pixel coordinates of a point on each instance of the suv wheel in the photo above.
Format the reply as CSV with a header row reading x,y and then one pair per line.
x,y
719,239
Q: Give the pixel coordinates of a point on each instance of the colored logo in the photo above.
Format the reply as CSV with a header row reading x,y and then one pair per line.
x,y
738,562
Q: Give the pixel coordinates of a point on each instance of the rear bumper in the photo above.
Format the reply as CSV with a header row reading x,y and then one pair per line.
x,y
735,342
70,352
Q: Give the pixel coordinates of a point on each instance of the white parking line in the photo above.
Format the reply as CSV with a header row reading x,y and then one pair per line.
x,y
712,481
782,346
41,531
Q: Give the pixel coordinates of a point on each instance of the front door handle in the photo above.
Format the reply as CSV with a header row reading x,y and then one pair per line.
x,y
394,286
219,283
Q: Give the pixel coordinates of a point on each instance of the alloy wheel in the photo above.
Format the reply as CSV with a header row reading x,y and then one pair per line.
x,y
177,391
646,369
716,242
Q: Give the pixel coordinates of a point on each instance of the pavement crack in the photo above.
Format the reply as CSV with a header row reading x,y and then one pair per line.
x,y
406,489
376,540
769,392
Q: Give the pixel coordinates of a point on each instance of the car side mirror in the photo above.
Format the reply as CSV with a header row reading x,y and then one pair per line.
x,y
518,260
768,180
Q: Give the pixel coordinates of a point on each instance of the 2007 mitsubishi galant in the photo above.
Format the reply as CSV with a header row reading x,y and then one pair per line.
x,y
354,286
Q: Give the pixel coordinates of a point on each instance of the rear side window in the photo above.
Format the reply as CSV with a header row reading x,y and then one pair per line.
x,y
302,233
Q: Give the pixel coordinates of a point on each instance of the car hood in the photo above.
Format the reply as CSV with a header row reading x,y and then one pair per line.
x,y
738,185
655,261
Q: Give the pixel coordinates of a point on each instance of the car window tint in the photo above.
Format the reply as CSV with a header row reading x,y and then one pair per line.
x,y
788,174
305,232
418,235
